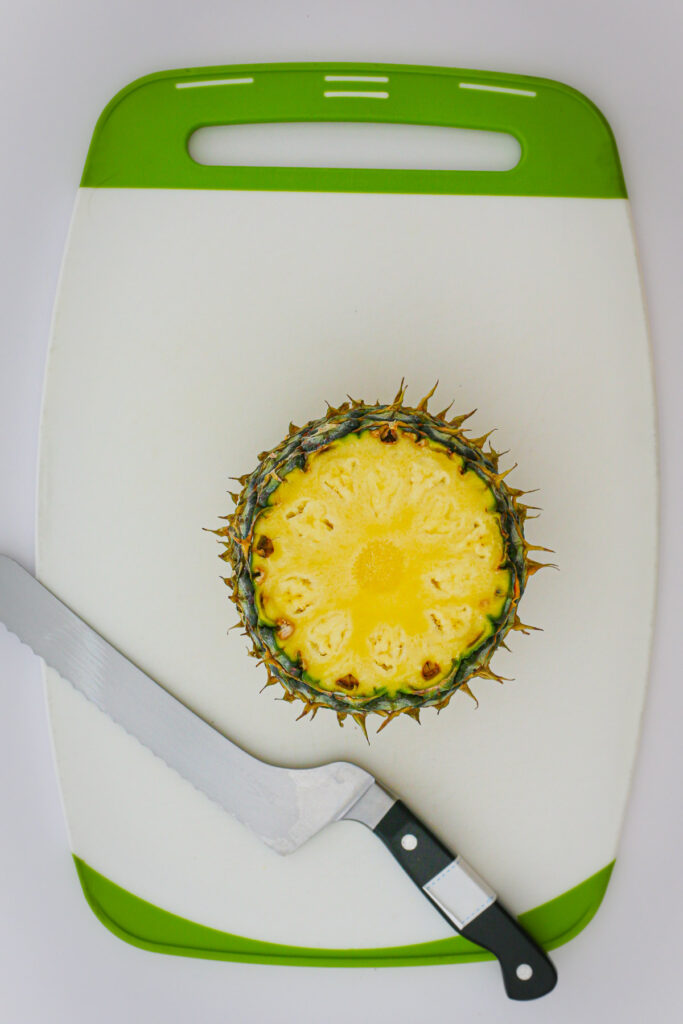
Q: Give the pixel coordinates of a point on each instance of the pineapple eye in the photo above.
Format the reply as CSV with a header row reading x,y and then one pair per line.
x,y
430,669
265,547
348,682
388,434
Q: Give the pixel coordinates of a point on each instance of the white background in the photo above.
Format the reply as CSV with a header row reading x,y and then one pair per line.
x,y
60,64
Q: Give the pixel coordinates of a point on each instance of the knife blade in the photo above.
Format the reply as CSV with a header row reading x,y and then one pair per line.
x,y
284,807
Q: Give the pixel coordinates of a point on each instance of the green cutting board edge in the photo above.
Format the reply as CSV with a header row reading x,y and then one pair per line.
x,y
142,924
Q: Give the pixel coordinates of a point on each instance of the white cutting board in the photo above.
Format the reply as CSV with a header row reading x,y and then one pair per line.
x,y
191,327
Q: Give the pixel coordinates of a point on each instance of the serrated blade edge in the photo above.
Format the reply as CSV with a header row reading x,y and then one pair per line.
x,y
283,806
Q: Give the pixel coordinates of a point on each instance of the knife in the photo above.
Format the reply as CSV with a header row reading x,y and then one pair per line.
x,y
283,806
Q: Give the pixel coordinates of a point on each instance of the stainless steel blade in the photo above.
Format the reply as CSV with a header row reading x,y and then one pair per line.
x,y
283,806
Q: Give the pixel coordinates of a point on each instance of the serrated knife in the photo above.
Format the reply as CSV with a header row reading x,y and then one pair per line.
x,y
283,806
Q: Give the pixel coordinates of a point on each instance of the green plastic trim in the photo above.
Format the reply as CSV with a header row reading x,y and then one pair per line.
x,y
149,927
141,138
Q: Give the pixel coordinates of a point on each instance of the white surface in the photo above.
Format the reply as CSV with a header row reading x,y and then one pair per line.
x,y
191,327
460,892
625,56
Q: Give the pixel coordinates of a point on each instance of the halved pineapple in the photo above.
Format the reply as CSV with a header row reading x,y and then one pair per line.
x,y
378,560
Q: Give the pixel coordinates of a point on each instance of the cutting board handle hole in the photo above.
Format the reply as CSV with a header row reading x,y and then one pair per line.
x,y
354,144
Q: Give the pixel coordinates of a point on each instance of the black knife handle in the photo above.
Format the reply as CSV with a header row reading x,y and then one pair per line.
x,y
467,902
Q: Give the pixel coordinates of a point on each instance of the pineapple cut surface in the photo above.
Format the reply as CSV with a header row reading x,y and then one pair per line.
x,y
385,564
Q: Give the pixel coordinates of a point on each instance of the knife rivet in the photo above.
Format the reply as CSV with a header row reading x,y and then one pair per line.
x,y
408,841
524,972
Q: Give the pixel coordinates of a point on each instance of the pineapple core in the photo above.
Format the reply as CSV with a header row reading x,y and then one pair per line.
x,y
380,565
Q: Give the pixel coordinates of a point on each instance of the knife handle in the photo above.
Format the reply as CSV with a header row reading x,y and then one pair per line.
x,y
467,902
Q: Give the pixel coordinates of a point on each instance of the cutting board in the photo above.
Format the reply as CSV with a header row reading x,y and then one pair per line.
x,y
203,308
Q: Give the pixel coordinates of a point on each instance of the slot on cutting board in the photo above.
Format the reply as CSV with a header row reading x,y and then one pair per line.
x,y
354,144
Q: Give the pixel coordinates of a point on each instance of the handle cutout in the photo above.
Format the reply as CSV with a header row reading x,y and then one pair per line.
x,y
354,144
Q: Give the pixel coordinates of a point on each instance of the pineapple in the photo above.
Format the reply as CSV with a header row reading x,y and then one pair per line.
x,y
378,560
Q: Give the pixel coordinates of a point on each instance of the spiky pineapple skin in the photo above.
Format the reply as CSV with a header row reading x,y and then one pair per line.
x,y
292,453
